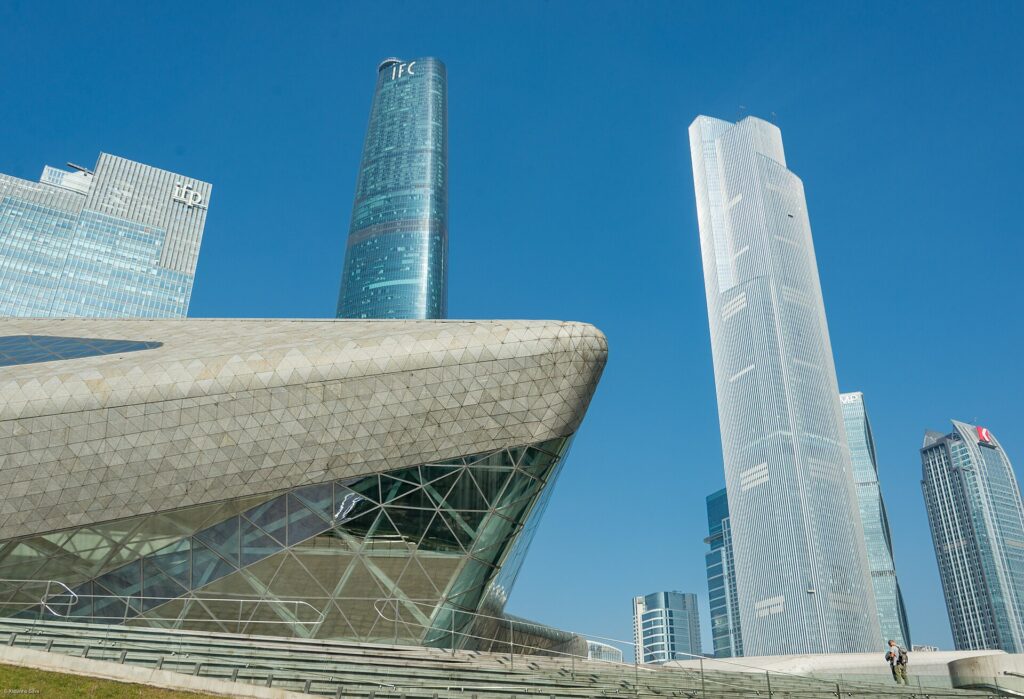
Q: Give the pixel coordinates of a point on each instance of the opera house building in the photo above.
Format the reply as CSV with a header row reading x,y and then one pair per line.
x,y
377,481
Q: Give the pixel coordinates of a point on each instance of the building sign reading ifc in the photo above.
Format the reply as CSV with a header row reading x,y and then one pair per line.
x,y
402,69
187,196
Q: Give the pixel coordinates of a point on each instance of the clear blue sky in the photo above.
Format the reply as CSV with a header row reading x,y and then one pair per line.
x,y
572,198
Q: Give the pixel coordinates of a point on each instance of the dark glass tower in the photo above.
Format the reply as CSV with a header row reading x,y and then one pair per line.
x,y
722,596
396,259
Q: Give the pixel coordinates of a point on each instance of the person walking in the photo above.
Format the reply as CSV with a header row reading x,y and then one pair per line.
x,y
897,658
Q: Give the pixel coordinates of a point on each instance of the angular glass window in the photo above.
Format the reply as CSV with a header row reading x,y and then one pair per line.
x,y
207,566
31,349
222,538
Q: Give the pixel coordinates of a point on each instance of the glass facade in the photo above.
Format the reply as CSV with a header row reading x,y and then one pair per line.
x,y
726,635
892,615
120,241
666,626
977,523
396,259
802,575
401,556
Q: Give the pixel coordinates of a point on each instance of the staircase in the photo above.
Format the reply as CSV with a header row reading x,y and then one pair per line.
x,y
364,671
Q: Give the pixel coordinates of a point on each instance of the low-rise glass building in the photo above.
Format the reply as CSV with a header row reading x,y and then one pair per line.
x,y
666,626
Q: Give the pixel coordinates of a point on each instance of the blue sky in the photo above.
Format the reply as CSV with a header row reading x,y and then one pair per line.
x,y
572,198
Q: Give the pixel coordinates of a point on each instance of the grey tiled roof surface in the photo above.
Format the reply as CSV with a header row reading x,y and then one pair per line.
x,y
228,408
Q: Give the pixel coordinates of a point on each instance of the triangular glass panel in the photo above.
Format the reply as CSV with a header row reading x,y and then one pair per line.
x,y
294,582
439,568
84,606
410,522
438,536
494,551
110,607
124,581
439,488
222,538
496,459
303,522
256,543
537,463
465,523
159,587
319,498
384,534
488,483
556,447
516,454
271,517
393,489
433,472
172,560
465,495
207,566
367,486
520,486
361,522
349,505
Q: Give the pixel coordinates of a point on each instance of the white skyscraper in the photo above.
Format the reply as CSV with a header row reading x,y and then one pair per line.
x,y
801,567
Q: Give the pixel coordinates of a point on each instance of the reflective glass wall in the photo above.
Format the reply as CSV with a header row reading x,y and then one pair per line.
x,y
405,556
396,257
726,635
977,523
118,242
892,615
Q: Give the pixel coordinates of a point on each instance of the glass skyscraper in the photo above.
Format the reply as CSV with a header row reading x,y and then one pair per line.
x,y
396,259
666,626
892,615
726,634
977,522
121,240
801,567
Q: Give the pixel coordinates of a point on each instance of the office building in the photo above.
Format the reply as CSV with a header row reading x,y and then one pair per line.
x,y
121,240
726,635
396,259
666,626
801,566
377,482
892,615
977,523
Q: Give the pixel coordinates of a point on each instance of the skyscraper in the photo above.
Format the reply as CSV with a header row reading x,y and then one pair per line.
x,y
121,240
977,522
801,567
396,259
892,615
666,626
726,634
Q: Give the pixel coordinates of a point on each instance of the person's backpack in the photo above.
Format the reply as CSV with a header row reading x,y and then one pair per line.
x,y
903,658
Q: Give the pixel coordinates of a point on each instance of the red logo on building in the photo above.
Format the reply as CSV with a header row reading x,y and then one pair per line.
x,y
984,435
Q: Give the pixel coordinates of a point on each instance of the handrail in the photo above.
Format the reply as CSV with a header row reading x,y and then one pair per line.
x,y
44,600
394,603
130,601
